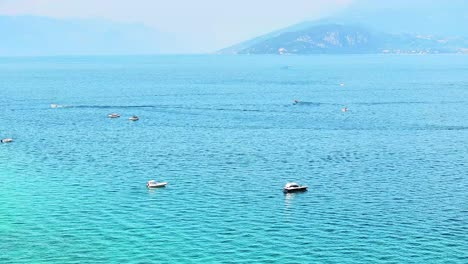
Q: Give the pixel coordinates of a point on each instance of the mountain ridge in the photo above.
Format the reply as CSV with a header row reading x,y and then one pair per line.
x,y
349,39
396,27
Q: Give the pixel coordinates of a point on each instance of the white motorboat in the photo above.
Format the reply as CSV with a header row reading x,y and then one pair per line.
x,y
134,118
155,184
58,106
113,115
294,187
6,140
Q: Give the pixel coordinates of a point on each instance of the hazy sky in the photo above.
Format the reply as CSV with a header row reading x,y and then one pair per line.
x,y
208,24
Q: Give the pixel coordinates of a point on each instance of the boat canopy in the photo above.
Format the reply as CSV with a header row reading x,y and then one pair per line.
x,y
292,184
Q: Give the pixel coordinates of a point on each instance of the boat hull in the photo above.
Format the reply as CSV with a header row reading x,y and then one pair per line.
x,y
159,185
113,116
295,189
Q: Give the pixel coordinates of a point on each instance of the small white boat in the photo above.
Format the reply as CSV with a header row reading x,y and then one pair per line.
x,y
294,187
6,140
134,118
344,109
155,184
57,106
113,115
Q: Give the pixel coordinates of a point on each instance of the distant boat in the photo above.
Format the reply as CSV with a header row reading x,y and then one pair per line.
x,y
134,118
57,106
113,115
344,109
294,187
155,184
6,140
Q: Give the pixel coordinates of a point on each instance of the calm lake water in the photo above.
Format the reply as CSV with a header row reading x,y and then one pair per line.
x,y
387,180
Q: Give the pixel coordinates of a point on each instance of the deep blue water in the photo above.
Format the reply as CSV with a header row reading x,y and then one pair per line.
x,y
388,179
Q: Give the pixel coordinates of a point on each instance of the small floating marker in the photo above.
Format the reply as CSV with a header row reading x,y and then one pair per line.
x,y
342,84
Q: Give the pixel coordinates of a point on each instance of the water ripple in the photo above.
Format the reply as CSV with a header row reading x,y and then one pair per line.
x,y
387,179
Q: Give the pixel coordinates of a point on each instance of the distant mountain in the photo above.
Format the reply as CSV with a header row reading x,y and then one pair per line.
x,y
32,35
398,26
347,39
237,48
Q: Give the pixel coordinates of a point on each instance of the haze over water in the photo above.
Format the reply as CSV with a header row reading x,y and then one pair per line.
x,y
387,179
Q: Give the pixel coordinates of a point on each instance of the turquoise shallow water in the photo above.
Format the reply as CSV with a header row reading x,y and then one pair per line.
x,y
388,179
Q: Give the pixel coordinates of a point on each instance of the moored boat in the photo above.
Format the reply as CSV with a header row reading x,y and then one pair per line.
x,y
294,187
155,184
57,106
113,115
134,118
6,140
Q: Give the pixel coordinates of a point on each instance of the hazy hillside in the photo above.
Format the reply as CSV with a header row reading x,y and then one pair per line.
x,y
30,35
372,27
335,38
237,48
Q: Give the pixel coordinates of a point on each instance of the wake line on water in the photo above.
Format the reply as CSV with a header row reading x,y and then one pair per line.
x,y
407,103
163,107
305,103
104,106
114,106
